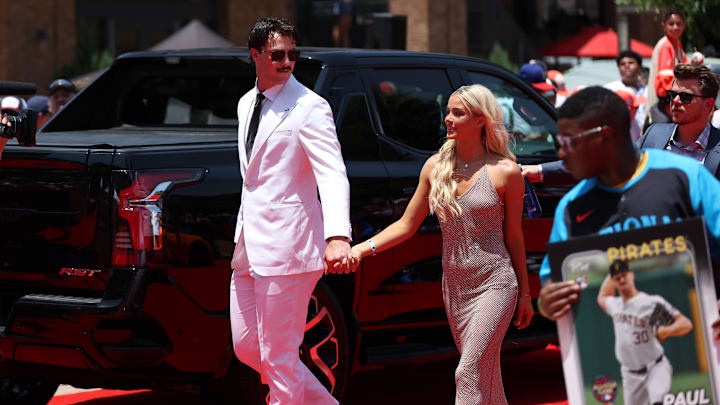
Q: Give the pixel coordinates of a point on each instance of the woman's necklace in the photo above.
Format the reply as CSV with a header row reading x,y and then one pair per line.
x,y
463,169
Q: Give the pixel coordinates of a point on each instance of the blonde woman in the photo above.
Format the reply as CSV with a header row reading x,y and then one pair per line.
x,y
475,188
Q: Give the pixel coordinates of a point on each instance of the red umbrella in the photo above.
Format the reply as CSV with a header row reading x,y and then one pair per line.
x,y
594,41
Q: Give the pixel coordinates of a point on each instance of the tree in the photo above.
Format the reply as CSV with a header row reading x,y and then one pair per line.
x,y
701,16
499,56
88,58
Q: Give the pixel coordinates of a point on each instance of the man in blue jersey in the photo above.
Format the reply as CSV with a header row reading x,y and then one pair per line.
x,y
621,188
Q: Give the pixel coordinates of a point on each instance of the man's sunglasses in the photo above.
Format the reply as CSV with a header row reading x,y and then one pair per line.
x,y
565,140
685,98
279,55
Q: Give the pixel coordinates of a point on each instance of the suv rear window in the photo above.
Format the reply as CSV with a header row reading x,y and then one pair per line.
x,y
172,92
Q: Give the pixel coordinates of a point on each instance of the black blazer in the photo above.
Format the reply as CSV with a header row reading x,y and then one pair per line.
x,y
656,136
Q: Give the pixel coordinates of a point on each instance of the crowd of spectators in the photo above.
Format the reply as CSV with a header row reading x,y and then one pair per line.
x,y
59,93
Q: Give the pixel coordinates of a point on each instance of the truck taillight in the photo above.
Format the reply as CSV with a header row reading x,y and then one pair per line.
x,y
140,231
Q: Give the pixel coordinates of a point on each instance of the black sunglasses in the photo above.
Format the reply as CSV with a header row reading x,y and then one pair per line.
x,y
278,55
685,98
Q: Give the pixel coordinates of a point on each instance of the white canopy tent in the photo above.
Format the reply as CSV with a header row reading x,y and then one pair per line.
x,y
193,35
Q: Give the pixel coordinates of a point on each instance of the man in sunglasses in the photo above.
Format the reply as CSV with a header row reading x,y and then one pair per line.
x,y
692,101
285,238
691,104
621,187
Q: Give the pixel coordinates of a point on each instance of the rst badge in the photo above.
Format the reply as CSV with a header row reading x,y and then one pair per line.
x,y
71,271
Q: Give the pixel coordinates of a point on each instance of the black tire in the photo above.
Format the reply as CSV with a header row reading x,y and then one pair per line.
x,y
326,346
15,391
325,350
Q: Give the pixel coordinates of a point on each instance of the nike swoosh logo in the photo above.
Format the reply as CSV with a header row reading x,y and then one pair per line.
x,y
580,218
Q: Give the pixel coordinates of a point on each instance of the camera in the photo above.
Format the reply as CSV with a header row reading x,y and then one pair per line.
x,y
21,125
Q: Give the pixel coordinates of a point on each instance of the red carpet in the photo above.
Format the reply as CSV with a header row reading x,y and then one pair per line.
x,y
534,378
530,378
80,397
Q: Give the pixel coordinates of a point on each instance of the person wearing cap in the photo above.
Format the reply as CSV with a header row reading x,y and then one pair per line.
x,y
557,79
9,105
629,64
60,92
534,74
633,104
12,105
690,134
39,104
646,371
621,188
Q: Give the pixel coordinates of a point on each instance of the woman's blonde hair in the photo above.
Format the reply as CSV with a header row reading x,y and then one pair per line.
x,y
480,102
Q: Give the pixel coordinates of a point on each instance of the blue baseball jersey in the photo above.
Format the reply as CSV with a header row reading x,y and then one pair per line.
x,y
669,188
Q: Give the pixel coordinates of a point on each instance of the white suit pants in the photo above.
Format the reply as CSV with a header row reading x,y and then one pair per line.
x,y
267,316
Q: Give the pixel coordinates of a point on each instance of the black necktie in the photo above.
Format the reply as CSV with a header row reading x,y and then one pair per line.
x,y
254,122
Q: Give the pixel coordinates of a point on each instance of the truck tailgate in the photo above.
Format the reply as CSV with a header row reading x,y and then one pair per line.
x,y
54,207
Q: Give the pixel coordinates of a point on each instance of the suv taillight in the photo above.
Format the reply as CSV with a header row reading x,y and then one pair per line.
x,y
140,231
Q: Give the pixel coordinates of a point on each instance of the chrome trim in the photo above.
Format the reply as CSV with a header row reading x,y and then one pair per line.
x,y
61,299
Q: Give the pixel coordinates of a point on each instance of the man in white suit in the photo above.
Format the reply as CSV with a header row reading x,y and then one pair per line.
x,y
284,237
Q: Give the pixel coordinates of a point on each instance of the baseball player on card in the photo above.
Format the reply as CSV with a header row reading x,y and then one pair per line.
x,y
641,322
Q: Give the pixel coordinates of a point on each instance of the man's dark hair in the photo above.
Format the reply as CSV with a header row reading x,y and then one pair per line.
x,y
674,10
597,106
707,78
265,27
629,54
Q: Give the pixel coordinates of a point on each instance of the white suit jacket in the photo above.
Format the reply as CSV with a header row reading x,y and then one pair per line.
x,y
296,154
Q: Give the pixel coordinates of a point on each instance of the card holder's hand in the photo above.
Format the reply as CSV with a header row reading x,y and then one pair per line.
x,y
556,299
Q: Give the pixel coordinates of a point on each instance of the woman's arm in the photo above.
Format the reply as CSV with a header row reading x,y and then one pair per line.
x,y
513,190
417,210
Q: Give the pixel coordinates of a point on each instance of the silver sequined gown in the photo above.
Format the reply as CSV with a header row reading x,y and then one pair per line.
x,y
480,291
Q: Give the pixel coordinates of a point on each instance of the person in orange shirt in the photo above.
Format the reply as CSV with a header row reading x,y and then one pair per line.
x,y
668,52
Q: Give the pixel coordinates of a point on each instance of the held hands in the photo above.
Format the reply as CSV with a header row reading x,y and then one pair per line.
x,y
338,258
524,312
556,299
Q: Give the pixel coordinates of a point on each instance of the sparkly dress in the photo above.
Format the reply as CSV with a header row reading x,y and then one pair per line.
x,y
479,290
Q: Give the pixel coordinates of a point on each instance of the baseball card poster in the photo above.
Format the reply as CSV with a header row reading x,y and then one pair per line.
x,y
641,331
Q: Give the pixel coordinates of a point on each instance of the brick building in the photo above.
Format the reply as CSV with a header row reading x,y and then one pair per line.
x,y
36,38
40,37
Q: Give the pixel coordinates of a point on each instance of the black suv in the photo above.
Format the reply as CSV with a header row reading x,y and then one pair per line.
x,y
117,227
